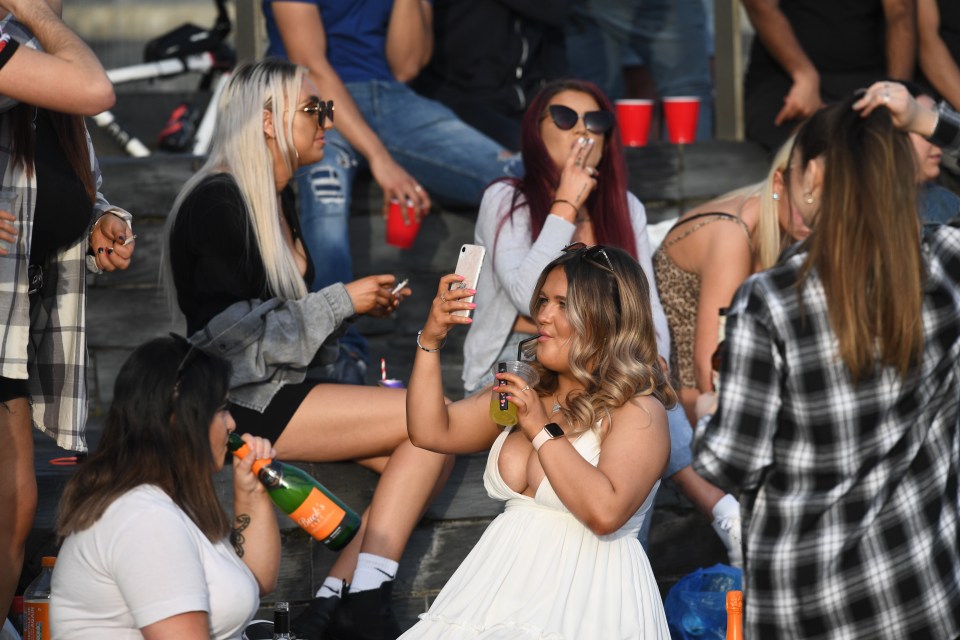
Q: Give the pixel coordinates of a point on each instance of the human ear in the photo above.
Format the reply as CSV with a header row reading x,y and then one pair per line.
x,y
268,129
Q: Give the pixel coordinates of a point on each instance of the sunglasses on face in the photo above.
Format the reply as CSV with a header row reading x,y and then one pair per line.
x,y
323,111
599,122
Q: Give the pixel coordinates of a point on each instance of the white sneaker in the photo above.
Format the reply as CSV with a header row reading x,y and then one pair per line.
x,y
726,522
8,632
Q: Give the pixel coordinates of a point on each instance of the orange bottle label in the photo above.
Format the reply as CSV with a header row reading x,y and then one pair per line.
x,y
36,620
318,515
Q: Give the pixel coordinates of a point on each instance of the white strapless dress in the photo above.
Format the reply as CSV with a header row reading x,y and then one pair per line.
x,y
538,572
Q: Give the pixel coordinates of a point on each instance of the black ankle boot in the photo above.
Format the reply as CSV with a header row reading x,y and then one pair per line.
x,y
312,622
366,615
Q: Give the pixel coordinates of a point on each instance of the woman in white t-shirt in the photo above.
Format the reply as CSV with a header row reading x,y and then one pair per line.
x,y
148,550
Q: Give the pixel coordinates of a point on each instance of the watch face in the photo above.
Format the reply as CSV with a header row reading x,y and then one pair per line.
x,y
553,429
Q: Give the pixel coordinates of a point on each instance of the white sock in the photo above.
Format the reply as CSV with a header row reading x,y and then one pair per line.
x,y
726,507
372,571
331,588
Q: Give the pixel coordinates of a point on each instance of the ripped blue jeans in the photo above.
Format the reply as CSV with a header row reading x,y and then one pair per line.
x,y
453,162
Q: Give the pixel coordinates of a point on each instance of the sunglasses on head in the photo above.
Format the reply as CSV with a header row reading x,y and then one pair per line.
x,y
591,254
599,122
323,111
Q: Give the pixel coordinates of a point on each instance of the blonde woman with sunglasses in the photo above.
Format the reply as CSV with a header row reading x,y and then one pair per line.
x,y
574,189
578,472
241,272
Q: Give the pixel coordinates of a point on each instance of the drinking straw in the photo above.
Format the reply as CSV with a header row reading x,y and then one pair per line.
x,y
523,342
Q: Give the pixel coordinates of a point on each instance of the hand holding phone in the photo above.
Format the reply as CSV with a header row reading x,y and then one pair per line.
x,y
468,266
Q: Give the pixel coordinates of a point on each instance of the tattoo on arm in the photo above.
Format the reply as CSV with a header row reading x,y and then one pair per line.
x,y
582,189
236,534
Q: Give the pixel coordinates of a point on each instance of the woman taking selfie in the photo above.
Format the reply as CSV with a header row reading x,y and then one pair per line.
x,y
574,189
241,274
578,472
148,549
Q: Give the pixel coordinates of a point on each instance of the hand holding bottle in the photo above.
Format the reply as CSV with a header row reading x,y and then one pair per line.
x,y
244,479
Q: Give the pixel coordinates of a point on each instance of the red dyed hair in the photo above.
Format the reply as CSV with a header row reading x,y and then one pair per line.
x,y
535,190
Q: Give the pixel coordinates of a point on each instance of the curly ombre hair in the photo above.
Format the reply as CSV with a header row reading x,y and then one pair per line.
x,y
613,352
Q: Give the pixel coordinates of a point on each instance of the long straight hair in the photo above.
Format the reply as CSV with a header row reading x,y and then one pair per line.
x,y
536,190
613,351
865,244
155,435
70,131
240,149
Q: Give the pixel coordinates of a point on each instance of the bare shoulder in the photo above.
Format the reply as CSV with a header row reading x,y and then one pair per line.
x,y
644,413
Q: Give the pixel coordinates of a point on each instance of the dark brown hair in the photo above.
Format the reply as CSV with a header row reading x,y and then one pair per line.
x,y
865,243
157,437
72,134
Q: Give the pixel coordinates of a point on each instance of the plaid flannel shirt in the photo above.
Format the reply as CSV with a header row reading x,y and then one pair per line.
x,y
849,493
46,344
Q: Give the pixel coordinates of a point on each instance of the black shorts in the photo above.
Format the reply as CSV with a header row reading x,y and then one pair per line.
x,y
271,423
13,388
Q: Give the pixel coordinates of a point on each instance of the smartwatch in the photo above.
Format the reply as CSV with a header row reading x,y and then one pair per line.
x,y
550,431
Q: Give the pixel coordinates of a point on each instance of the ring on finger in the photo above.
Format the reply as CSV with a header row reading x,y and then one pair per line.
x,y
526,388
886,97
443,298
418,188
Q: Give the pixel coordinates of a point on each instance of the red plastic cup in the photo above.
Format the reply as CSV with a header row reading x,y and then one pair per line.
x,y
633,118
681,115
402,225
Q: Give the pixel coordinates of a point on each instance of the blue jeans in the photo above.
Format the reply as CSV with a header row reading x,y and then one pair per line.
x,y
681,435
670,36
452,161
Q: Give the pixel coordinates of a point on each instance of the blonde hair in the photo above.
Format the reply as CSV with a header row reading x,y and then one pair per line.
x,y
240,149
769,238
613,351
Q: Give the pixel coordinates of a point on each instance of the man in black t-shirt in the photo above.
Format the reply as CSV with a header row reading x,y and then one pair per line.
x,y
810,52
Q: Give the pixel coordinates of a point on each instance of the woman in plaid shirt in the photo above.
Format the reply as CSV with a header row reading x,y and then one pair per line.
x,y
839,403
53,228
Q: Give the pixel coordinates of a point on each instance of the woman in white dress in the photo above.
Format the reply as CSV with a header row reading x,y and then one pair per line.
x,y
578,472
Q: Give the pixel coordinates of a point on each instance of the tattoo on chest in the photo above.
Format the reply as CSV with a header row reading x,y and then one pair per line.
x,y
236,534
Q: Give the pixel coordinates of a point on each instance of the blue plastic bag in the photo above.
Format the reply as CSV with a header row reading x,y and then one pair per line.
x,y
696,607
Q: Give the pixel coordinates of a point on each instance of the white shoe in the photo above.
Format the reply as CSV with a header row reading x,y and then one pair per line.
x,y
726,522
8,632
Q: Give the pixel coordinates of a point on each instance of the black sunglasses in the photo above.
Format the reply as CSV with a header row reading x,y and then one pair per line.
x,y
591,253
322,110
599,122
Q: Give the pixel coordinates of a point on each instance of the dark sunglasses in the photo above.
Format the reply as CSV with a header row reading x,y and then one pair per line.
x,y
591,254
323,111
599,122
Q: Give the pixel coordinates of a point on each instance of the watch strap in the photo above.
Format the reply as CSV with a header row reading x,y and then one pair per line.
x,y
545,434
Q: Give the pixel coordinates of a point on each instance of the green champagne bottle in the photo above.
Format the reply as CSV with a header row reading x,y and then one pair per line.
x,y
306,501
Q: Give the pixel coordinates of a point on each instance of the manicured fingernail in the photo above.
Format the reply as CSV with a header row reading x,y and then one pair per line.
x,y
100,250
109,252
473,306
122,239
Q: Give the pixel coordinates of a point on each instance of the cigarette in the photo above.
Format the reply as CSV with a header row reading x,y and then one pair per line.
x,y
129,240
399,287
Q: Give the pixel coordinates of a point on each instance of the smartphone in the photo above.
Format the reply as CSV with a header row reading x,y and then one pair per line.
x,y
468,266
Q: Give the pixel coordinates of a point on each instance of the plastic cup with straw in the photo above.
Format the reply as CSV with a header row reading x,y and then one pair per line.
x,y
384,381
